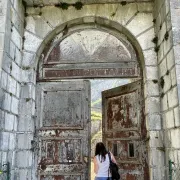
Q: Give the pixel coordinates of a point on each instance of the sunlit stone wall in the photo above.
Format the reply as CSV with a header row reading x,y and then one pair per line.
x,y
166,20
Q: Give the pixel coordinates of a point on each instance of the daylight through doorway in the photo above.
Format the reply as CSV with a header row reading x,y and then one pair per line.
x,y
97,86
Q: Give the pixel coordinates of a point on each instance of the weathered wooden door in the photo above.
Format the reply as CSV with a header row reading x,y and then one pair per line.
x,y
124,130
63,130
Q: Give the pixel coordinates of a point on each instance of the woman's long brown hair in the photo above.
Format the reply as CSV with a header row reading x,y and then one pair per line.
x,y
101,150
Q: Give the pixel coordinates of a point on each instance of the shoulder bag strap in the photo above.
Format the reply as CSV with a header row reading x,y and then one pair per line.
x,y
109,163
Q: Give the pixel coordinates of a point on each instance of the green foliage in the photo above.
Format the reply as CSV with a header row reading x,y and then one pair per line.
x,y
166,36
96,136
78,5
155,40
162,82
123,3
155,81
95,102
64,6
96,116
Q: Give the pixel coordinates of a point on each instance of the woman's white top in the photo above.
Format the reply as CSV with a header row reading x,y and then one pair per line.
x,y
103,166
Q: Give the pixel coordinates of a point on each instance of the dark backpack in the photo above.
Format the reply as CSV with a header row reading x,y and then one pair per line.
x,y
113,169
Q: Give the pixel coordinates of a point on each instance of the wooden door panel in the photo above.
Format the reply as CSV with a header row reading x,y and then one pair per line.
x,y
62,177
124,131
63,130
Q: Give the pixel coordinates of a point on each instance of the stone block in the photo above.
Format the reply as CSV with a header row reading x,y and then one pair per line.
x,y
24,141
1,41
18,57
4,4
175,13
2,117
12,50
145,7
20,9
154,122
150,57
163,11
16,38
16,21
160,53
157,158
167,138
177,53
15,123
18,90
12,161
144,21
16,71
2,24
7,101
173,77
28,91
24,159
170,59
28,76
167,82
31,42
28,59
173,97
15,105
12,141
4,157
20,174
33,10
11,85
177,116
168,21
145,39
164,103
9,122
161,33
152,88
175,134
26,122
168,43
169,119
162,68
4,141
125,13
152,105
38,26
4,76
151,72
7,64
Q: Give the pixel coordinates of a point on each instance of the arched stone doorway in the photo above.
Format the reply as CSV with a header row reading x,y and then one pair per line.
x,y
82,51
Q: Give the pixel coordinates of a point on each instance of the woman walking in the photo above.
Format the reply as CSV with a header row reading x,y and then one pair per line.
x,y
101,162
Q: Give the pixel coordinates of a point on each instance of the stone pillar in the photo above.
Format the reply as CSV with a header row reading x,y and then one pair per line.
x,y
11,40
166,18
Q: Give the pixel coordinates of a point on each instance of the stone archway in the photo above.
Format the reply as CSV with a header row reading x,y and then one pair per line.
x,y
117,28
73,55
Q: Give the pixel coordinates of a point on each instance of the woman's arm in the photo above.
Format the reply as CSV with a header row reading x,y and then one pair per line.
x,y
95,165
113,158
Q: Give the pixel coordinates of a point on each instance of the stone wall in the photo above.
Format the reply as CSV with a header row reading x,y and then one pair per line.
x,y
11,45
166,19
135,20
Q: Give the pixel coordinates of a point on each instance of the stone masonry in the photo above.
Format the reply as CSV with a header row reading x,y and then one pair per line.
x,y
26,28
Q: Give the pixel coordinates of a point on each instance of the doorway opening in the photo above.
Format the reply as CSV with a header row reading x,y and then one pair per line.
x,y
97,86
